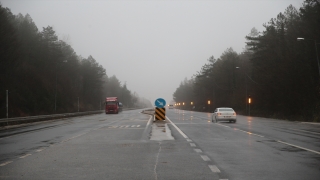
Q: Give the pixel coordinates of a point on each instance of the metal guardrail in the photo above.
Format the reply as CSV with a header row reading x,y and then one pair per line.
x,y
29,119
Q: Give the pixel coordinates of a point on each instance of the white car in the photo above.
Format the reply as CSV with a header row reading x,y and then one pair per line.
x,y
224,114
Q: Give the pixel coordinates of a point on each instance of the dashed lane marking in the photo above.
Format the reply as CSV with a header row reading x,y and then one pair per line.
x,y
310,150
198,150
223,125
25,156
214,168
39,150
6,163
125,126
205,158
242,130
250,133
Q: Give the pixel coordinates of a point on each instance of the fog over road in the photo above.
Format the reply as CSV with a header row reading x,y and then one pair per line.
x,y
118,146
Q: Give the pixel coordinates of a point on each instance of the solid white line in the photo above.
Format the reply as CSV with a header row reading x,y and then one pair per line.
x,y
205,158
299,147
198,150
192,145
179,130
157,160
39,150
310,123
189,140
305,131
149,121
5,163
25,156
214,168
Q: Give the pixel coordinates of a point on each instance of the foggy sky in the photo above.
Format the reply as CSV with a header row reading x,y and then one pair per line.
x,y
152,45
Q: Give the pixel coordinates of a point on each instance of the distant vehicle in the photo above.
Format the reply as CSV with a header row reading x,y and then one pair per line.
x,y
171,106
112,105
224,114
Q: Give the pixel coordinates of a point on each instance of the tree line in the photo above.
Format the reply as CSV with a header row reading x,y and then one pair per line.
x,y
278,69
44,75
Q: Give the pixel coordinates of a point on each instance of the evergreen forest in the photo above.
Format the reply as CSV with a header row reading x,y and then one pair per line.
x,y
278,70
41,74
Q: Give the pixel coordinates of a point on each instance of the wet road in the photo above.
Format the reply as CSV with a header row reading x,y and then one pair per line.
x,y
118,146
254,148
113,146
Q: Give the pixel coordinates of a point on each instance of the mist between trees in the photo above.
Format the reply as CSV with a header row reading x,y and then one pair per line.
x,y
279,73
44,75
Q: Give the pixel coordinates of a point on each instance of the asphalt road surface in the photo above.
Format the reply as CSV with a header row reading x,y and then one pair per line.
x,y
118,146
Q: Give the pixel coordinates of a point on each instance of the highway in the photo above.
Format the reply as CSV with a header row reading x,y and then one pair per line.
x,y
118,146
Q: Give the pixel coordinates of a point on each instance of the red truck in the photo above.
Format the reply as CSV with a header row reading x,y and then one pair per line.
x,y
112,105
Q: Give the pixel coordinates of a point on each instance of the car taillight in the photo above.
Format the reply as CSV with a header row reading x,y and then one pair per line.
x,y
234,114
219,114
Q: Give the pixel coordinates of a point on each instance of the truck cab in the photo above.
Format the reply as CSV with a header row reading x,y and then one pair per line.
x,y
112,105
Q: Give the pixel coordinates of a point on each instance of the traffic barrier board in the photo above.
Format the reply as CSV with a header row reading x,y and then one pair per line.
x,y
160,114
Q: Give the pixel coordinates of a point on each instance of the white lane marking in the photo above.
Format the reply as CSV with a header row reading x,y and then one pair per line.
x,y
5,163
250,133
149,121
127,126
205,158
223,125
184,135
189,140
39,150
138,126
121,126
214,168
242,130
305,131
310,123
25,156
277,141
192,144
299,147
223,179
133,126
198,150
157,160
145,129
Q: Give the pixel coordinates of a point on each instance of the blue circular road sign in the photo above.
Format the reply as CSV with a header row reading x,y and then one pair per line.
x,y
160,103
